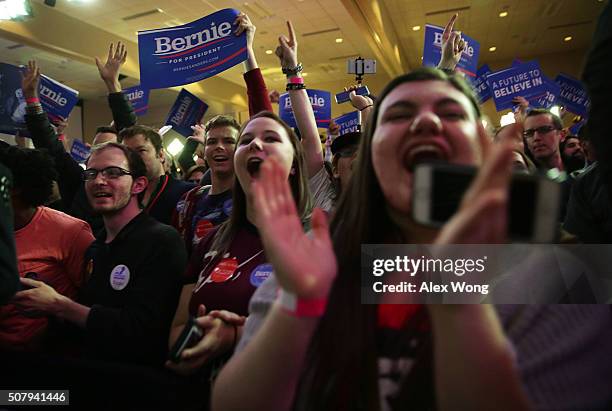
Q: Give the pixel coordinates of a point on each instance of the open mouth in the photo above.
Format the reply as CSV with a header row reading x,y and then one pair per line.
x,y
220,158
425,153
102,194
253,166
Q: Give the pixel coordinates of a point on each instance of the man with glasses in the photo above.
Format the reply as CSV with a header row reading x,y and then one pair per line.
x,y
543,132
125,308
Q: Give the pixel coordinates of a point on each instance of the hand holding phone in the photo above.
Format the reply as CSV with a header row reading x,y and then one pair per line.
x,y
190,335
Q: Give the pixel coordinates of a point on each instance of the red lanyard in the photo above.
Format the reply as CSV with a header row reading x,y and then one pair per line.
x,y
158,193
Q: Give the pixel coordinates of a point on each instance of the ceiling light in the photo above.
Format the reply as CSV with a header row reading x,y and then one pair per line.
x,y
503,14
304,74
175,147
14,9
416,28
568,38
339,40
492,49
269,52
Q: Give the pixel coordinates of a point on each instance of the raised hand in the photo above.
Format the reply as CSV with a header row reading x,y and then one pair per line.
x,y
30,79
244,24
359,102
304,265
452,46
521,113
109,71
333,128
199,134
287,48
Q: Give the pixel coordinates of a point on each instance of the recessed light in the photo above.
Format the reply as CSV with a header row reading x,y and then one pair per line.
x,y
416,28
339,40
492,49
568,38
304,74
269,52
503,14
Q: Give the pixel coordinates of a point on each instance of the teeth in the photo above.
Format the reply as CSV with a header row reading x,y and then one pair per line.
x,y
423,152
219,158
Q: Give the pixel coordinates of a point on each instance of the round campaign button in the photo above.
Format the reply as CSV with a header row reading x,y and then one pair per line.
x,y
260,274
203,227
119,277
224,270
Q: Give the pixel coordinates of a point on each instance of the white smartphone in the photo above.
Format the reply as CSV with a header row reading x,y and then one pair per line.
x,y
533,204
361,66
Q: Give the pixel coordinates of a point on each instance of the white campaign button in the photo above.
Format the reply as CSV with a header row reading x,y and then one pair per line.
x,y
119,277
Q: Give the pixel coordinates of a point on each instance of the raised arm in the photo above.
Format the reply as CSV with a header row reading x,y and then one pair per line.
x,y
452,46
267,371
302,110
44,136
185,159
123,113
256,87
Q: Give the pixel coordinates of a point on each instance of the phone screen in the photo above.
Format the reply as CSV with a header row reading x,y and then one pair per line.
x,y
449,186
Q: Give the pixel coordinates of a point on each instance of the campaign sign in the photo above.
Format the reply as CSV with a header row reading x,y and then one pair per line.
x,y
187,111
575,129
432,51
57,99
321,105
191,52
349,123
550,98
480,85
79,151
12,102
138,98
573,96
526,80
516,62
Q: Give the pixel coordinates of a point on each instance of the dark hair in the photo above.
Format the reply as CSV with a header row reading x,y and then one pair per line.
x,y
149,134
563,142
106,129
298,182
193,169
221,121
540,111
33,173
342,358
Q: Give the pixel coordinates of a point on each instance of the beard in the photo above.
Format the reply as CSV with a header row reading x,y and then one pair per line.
x,y
573,163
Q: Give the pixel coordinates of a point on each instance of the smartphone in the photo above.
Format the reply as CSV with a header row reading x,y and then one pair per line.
x,y
344,96
533,203
361,66
190,335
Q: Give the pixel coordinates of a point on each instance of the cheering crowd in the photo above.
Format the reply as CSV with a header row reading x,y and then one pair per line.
x,y
235,285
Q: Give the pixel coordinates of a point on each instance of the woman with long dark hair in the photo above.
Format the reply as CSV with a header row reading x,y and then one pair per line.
x,y
320,348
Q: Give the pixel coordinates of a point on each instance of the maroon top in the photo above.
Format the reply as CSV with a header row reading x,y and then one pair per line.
x,y
257,93
227,282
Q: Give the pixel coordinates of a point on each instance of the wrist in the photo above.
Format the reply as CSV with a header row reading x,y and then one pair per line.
x,y
113,86
297,306
30,100
446,65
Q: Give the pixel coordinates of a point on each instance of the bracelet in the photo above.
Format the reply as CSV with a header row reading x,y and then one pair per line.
x,y
296,80
361,109
295,86
293,71
300,307
32,100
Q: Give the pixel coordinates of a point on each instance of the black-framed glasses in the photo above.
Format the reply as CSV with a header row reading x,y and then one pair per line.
x,y
110,173
529,133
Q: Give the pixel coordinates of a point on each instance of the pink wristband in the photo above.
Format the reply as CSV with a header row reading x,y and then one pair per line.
x,y
299,307
296,80
32,100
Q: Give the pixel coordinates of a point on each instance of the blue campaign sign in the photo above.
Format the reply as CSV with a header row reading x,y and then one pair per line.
x,y
138,98
480,85
192,52
57,99
516,62
550,98
526,80
187,111
321,105
432,50
575,129
12,102
79,151
573,96
349,123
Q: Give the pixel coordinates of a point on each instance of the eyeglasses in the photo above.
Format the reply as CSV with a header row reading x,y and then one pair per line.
x,y
540,130
110,173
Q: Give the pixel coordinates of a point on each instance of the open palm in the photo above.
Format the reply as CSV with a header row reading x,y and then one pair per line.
x,y
117,56
304,264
